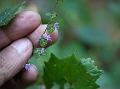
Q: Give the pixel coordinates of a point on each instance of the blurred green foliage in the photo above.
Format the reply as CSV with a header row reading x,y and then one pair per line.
x,y
90,28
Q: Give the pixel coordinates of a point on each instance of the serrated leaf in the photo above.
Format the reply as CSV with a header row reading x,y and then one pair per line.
x,y
43,42
50,28
79,73
9,13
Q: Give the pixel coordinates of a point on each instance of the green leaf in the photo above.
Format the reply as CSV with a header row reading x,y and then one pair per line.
x,y
52,20
43,42
79,73
9,13
50,28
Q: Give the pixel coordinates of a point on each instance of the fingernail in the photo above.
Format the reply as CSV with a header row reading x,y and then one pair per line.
x,y
34,67
28,66
21,46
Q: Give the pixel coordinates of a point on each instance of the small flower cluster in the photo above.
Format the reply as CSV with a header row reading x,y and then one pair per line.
x,y
56,26
46,36
27,67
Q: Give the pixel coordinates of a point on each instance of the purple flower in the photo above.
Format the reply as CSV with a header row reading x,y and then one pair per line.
x,y
27,67
42,50
56,26
47,37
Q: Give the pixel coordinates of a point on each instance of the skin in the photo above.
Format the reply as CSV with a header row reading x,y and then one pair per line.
x,y
17,41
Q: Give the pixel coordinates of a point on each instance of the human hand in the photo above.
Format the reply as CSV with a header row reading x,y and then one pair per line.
x,y
17,41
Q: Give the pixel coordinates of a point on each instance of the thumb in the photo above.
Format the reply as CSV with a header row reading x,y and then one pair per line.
x,y
13,58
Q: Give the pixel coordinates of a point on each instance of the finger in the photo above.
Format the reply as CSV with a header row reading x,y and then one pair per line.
x,y
13,58
23,79
22,25
12,84
35,36
29,76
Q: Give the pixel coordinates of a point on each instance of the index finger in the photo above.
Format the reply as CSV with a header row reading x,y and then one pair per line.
x,y
22,25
